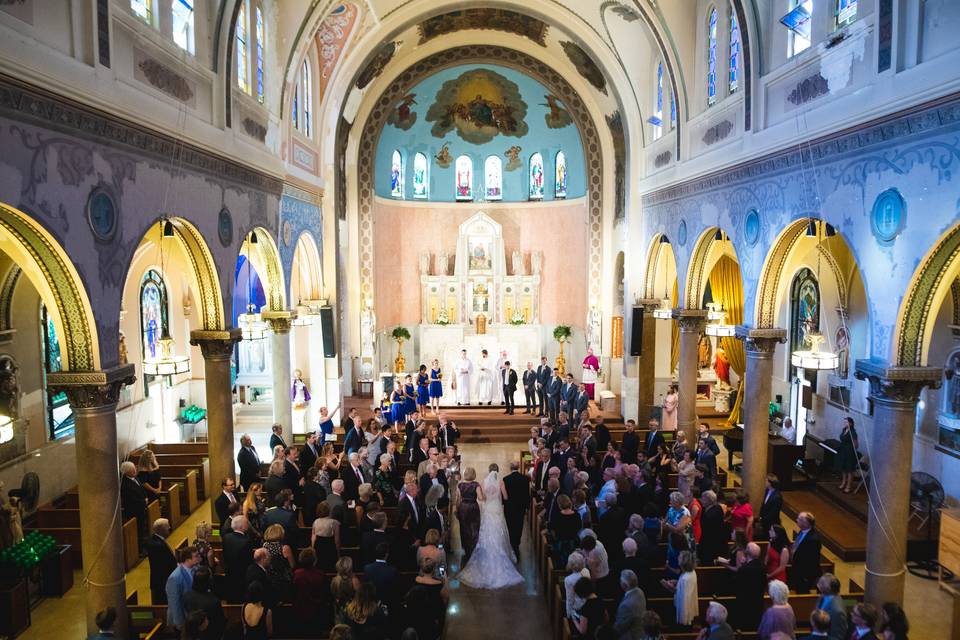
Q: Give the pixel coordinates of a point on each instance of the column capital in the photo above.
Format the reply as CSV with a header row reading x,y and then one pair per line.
x,y
691,320
894,384
279,321
92,389
649,304
763,341
215,344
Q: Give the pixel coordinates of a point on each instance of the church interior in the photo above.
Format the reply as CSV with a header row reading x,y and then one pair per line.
x,y
230,223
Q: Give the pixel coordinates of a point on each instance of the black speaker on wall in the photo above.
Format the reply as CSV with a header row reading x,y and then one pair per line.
x,y
636,332
326,329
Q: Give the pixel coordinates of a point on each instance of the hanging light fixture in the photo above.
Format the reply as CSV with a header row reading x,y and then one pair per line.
x,y
717,327
306,313
664,311
252,327
6,429
167,363
813,358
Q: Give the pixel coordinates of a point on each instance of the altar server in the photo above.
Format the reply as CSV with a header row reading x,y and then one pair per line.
x,y
464,370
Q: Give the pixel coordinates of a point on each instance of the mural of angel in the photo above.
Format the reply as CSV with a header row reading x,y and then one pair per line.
x,y
403,117
443,157
513,158
558,117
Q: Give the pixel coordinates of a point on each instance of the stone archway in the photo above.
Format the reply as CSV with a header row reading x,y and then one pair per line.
x,y
261,249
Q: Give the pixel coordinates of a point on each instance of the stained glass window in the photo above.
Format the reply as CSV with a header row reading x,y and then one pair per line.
x,y
421,176
536,177
673,110
241,37
59,413
560,186
396,175
143,9
799,21
153,312
712,57
306,98
295,110
182,13
734,52
846,12
805,301
260,32
657,119
493,178
464,171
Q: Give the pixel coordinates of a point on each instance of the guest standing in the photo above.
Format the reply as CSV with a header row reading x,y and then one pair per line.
x,y
257,619
847,462
162,560
805,555
779,617
669,409
749,586
592,614
778,554
148,474
468,512
831,603
684,589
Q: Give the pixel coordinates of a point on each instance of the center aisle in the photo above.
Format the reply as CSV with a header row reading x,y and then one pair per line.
x,y
520,611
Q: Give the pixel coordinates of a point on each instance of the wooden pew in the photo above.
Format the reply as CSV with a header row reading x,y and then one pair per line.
x,y
170,501
131,544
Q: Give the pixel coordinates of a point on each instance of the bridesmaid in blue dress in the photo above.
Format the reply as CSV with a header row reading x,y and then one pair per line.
x,y
409,397
396,404
436,387
423,394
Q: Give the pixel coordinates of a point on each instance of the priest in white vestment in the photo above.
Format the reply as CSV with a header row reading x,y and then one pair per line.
x,y
463,370
486,384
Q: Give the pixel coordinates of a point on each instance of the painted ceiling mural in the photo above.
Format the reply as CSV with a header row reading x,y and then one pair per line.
x,y
585,65
376,66
478,105
332,38
484,19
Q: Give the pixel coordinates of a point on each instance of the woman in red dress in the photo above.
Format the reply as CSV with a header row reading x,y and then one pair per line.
x,y
778,554
741,518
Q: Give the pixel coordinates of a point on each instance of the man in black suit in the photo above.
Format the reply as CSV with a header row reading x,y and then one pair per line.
x,y
543,378
706,458
750,585
602,433
703,433
336,500
630,445
517,488
717,627
541,469
654,437
257,572
292,476
772,503
276,438
284,513
309,452
411,510
352,475
563,453
805,555
712,541
581,405
588,443
237,556
249,462
162,560
530,388
508,382
420,453
550,436
554,388
384,578
447,432
133,499
370,540
568,394
225,499
354,439
312,495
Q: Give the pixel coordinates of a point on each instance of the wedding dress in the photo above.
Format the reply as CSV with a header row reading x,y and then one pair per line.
x,y
491,565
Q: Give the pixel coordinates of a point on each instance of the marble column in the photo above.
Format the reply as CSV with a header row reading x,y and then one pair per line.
x,y
692,322
759,345
280,323
217,348
894,392
93,396
647,365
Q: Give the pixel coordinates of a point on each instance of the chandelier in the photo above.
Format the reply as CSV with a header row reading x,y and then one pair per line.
x,y
716,326
167,363
813,358
663,312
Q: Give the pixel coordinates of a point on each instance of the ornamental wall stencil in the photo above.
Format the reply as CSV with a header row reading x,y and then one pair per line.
x,y
717,132
166,79
809,89
254,129
484,19
332,38
479,105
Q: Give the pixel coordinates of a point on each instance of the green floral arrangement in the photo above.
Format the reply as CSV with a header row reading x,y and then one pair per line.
x,y
518,318
443,318
562,333
400,333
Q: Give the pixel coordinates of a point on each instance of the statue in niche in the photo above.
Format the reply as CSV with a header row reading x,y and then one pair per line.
x,y
443,261
536,262
952,373
424,263
9,389
367,331
843,351
517,262
122,348
594,318
704,352
721,365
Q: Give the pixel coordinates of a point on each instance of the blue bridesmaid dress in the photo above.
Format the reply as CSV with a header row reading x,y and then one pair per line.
x,y
423,394
396,406
436,387
409,401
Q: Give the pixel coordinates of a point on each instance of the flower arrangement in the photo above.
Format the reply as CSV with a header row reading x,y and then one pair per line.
x,y
442,318
517,317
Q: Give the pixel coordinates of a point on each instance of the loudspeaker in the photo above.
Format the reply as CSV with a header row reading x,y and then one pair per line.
x,y
636,332
326,329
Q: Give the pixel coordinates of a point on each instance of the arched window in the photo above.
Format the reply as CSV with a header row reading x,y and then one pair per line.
x,y
560,186
59,413
182,14
493,178
295,108
421,176
734,52
306,97
657,119
143,9
805,299
673,110
243,80
799,22
536,177
260,32
712,57
153,312
846,12
396,175
464,171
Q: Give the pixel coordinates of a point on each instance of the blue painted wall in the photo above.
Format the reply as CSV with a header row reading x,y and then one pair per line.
x,y
540,138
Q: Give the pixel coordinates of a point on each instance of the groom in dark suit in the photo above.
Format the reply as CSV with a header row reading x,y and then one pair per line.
x,y
517,487
508,378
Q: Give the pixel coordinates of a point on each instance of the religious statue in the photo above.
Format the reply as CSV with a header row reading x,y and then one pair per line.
x,y
843,351
536,262
442,263
704,349
122,348
952,394
593,328
367,331
9,389
424,263
517,263
721,365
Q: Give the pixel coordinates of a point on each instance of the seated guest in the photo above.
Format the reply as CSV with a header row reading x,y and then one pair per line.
x,y
565,531
226,498
893,622
343,586
237,556
820,626
369,540
312,594
282,562
828,586
426,602
431,549
716,627
104,620
325,537
255,615
805,555
366,615
202,598
631,607
863,620
684,589
148,475
592,614
779,616
383,577
162,560
577,566
179,583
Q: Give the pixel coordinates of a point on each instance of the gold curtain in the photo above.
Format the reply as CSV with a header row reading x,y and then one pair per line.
x,y
674,330
726,286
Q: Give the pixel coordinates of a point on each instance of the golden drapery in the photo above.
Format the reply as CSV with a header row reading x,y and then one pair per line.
x,y
674,330
726,285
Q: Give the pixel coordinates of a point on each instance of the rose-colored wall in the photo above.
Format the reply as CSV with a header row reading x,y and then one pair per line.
x,y
402,232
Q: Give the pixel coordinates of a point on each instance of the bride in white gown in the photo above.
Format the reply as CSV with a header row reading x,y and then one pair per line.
x,y
491,565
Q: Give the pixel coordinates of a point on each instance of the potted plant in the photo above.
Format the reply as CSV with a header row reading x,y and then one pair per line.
x,y
561,333
400,334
